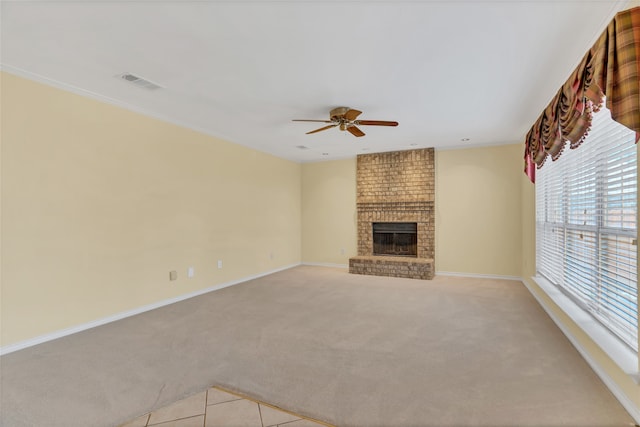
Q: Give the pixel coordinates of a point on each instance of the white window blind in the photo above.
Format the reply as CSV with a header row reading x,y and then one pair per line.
x,y
586,220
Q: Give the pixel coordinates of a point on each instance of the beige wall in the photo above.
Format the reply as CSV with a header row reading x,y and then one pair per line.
x,y
329,212
478,210
528,199
100,203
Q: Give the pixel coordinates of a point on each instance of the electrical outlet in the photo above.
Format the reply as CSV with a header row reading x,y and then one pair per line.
x,y
190,272
219,263
270,255
341,251
173,275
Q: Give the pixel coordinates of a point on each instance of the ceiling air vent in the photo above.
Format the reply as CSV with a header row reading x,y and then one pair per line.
x,y
139,81
302,147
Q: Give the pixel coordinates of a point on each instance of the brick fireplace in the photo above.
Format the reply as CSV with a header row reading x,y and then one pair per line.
x,y
396,188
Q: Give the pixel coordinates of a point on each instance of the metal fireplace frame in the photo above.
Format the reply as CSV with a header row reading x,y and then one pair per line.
x,y
395,239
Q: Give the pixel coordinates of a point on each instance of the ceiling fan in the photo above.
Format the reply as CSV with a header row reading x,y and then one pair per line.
x,y
345,118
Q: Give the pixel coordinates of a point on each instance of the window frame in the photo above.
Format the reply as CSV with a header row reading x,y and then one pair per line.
x,y
591,300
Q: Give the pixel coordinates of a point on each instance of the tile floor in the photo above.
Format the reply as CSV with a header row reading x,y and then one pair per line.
x,y
219,408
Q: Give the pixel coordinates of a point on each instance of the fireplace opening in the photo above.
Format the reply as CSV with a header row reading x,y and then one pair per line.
x,y
395,238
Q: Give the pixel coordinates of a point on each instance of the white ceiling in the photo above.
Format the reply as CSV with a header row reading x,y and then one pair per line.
x,y
242,70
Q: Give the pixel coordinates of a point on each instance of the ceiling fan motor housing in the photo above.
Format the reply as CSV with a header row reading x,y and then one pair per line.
x,y
338,113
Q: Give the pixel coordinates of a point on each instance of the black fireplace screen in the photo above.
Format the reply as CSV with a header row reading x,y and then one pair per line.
x,y
395,238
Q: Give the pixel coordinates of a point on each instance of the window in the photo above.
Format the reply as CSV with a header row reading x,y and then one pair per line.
x,y
586,222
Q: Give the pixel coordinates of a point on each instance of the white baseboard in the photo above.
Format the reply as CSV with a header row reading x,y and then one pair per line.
x,y
622,397
325,264
478,276
118,316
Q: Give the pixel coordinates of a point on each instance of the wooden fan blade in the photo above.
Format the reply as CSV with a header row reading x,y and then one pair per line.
x,y
375,123
311,120
355,131
322,128
352,114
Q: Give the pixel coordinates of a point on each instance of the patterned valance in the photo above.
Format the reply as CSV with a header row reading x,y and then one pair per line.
x,y
610,70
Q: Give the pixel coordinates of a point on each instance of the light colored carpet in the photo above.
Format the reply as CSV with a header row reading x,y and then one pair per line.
x,y
351,350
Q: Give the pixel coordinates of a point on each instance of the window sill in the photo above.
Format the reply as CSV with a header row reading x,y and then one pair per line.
x,y
623,356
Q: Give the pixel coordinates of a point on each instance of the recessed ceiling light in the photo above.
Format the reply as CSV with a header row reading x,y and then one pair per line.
x,y
465,139
365,149
302,147
413,145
